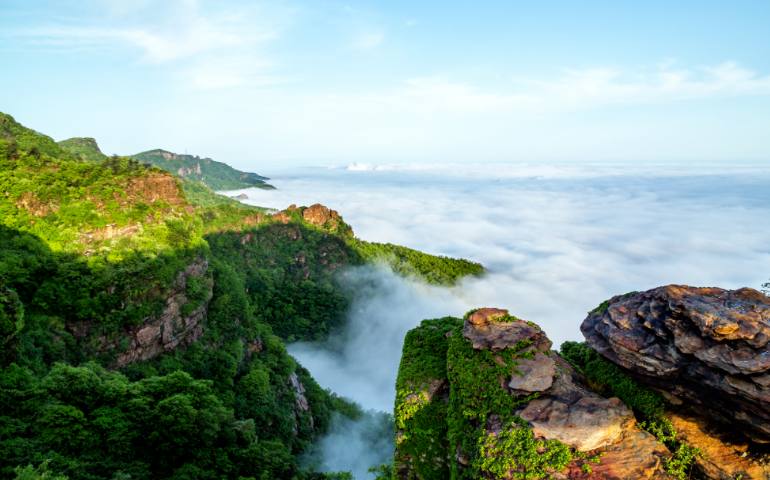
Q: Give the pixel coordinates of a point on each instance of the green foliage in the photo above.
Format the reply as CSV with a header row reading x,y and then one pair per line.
x,y
15,137
213,174
437,270
85,148
11,323
385,471
680,464
422,423
286,271
221,407
608,380
40,473
515,450
428,431
475,378
200,195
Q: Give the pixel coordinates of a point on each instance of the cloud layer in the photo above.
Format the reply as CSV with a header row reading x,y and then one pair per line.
x,y
556,240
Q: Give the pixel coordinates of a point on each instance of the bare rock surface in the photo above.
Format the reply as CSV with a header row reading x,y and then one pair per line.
x,y
726,453
483,329
707,347
318,215
537,375
565,410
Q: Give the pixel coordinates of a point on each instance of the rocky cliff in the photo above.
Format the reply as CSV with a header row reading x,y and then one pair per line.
x,y
706,350
486,397
179,324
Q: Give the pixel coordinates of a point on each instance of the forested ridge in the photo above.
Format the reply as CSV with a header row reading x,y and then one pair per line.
x,y
143,337
198,192
213,174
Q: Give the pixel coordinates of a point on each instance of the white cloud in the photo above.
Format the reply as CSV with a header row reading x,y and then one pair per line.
x,y
557,240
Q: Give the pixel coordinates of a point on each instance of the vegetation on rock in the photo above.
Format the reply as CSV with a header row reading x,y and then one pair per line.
x,y
422,443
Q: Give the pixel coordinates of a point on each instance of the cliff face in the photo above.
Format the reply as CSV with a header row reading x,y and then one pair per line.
x,y
487,398
147,189
707,346
179,324
708,351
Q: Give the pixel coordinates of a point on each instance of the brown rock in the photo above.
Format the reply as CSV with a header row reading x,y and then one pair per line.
x,y
318,215
722,448
282,217
565,410
705,346
482,329
590,423
536,375
635,455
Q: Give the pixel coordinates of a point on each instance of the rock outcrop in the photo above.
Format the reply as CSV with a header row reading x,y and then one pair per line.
x,y
156,335
565,410
707,347
318,215
544,395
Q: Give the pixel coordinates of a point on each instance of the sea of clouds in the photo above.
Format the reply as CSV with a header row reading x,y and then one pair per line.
x,y
556,241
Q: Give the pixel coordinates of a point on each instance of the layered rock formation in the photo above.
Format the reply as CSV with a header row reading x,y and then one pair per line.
x,y
502,381
705,346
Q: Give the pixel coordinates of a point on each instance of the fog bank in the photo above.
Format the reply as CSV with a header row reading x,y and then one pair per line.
x,y
556,242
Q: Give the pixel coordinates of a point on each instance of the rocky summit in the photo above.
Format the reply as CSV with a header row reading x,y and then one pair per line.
x,y
486,397
706,347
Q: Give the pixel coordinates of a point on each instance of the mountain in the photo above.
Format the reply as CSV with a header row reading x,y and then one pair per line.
x,y
215,175
143,337
197,193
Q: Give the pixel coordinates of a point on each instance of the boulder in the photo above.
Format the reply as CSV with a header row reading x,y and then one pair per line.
x,y
565,410
318,215
707,347
485,331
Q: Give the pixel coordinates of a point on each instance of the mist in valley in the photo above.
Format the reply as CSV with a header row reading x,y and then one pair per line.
x,y
556,241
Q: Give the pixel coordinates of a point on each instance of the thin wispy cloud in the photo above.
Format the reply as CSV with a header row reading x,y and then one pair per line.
x,y
213,48
587,88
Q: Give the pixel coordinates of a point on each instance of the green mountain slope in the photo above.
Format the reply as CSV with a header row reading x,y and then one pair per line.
x,y
18,137
198,194
85,148
142,337
128,349
215,175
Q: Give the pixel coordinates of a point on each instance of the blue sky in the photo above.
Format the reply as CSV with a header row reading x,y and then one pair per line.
x,y
288,83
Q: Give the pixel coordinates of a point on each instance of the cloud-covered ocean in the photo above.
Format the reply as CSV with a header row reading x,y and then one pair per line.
x,y
556,240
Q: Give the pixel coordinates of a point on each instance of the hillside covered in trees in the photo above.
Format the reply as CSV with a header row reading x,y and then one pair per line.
x,y
198,189
143,336
215,175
